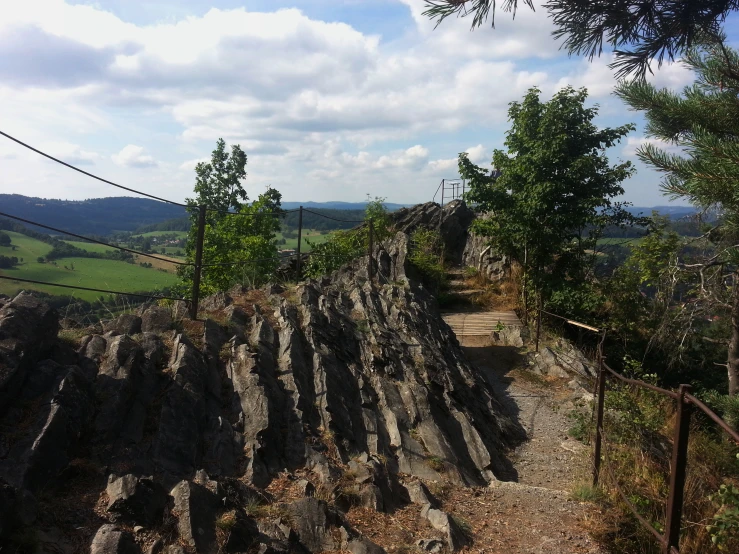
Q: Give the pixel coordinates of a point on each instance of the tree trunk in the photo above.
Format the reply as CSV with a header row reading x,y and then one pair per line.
x,y
733,362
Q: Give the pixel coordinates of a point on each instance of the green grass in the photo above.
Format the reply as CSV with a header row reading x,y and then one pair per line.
x,y
90,246
88,272
26,247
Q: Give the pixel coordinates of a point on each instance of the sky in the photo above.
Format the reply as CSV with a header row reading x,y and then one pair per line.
x,y
331,100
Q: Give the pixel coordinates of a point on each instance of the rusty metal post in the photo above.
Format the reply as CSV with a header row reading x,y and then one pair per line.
x,y
538,322
370,267
443,186
677,471
198,263
599,417
300,240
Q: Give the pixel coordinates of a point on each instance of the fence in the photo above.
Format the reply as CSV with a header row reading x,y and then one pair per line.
x,y
686,403
450,187
199,264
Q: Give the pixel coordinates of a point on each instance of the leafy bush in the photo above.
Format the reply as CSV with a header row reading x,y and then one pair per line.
x,y
426,254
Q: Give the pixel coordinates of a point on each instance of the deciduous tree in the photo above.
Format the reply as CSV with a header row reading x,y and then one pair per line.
x,y
552,193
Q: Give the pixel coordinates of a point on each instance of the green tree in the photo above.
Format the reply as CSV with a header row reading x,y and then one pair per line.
x,y
345,246
702,122
553,196
240,243
4,239
638,30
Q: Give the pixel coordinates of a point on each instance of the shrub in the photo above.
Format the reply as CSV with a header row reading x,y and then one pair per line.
x,y
427,256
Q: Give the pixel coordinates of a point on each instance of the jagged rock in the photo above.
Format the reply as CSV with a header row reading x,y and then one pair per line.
x,y
195,507
93,347
119,378
28,327
312,520
510,336
371,497
184,412
441,521
17,508
134,499
111,539
156,319
125,324
419,494
306,488
69,323
35,460
216,302
434,546
153,348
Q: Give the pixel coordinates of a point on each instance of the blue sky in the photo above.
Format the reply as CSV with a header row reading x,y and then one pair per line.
x,y
331,100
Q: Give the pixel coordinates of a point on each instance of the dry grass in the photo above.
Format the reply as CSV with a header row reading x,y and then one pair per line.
x,y
496,295
639,453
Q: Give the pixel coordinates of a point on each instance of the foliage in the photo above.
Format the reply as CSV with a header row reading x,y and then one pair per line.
x,y
240,243
4,239
343,246
639,32
553,196
725,526
702,122
7,262
426,255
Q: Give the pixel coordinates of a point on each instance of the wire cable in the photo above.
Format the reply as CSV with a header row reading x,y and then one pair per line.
x,y
7,278
57,160
93,240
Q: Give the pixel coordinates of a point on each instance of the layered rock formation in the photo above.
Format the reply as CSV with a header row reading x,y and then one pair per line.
x,y
152,432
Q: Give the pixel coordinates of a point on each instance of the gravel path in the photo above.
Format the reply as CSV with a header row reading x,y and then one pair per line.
x,y
533,512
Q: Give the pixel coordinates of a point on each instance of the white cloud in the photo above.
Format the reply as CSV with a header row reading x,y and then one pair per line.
x,y
633,143
322,109
133,156
71,153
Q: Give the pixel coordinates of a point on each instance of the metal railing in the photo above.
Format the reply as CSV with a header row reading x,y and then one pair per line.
x,y
686,402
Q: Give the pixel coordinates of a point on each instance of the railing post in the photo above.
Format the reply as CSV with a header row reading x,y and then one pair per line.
x,y
677,471
599,417
370,268
300,240
443,186
198,263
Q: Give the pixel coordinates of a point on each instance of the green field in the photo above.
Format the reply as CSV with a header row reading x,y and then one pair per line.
x,y
310,234
87,272
90,246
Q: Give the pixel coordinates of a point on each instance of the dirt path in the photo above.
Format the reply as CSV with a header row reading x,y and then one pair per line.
x,y
534,513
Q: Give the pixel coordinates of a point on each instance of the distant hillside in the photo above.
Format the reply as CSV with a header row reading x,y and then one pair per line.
x,y
335,205
674,212
98,216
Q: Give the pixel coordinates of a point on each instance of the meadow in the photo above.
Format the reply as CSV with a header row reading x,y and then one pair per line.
x,y
87,272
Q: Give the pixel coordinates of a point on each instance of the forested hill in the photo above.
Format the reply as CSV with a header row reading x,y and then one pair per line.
x,y
98,216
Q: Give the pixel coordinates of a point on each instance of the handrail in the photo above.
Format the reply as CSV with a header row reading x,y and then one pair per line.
x,y
638,383
437,190
710,413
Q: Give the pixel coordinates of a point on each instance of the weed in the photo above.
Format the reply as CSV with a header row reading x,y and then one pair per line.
x,y
580,426
72,337
226,521
583,492
363,326
436,463
255,508
440,490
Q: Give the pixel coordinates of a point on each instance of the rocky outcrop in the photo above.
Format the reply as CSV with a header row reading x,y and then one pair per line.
x,y
347,383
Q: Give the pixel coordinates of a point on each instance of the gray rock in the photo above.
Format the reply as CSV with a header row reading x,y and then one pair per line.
x,y
441,521
306,488
434,546
156,319
196,508
312,520
28,328
419,494
125,324
135,499
111,539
